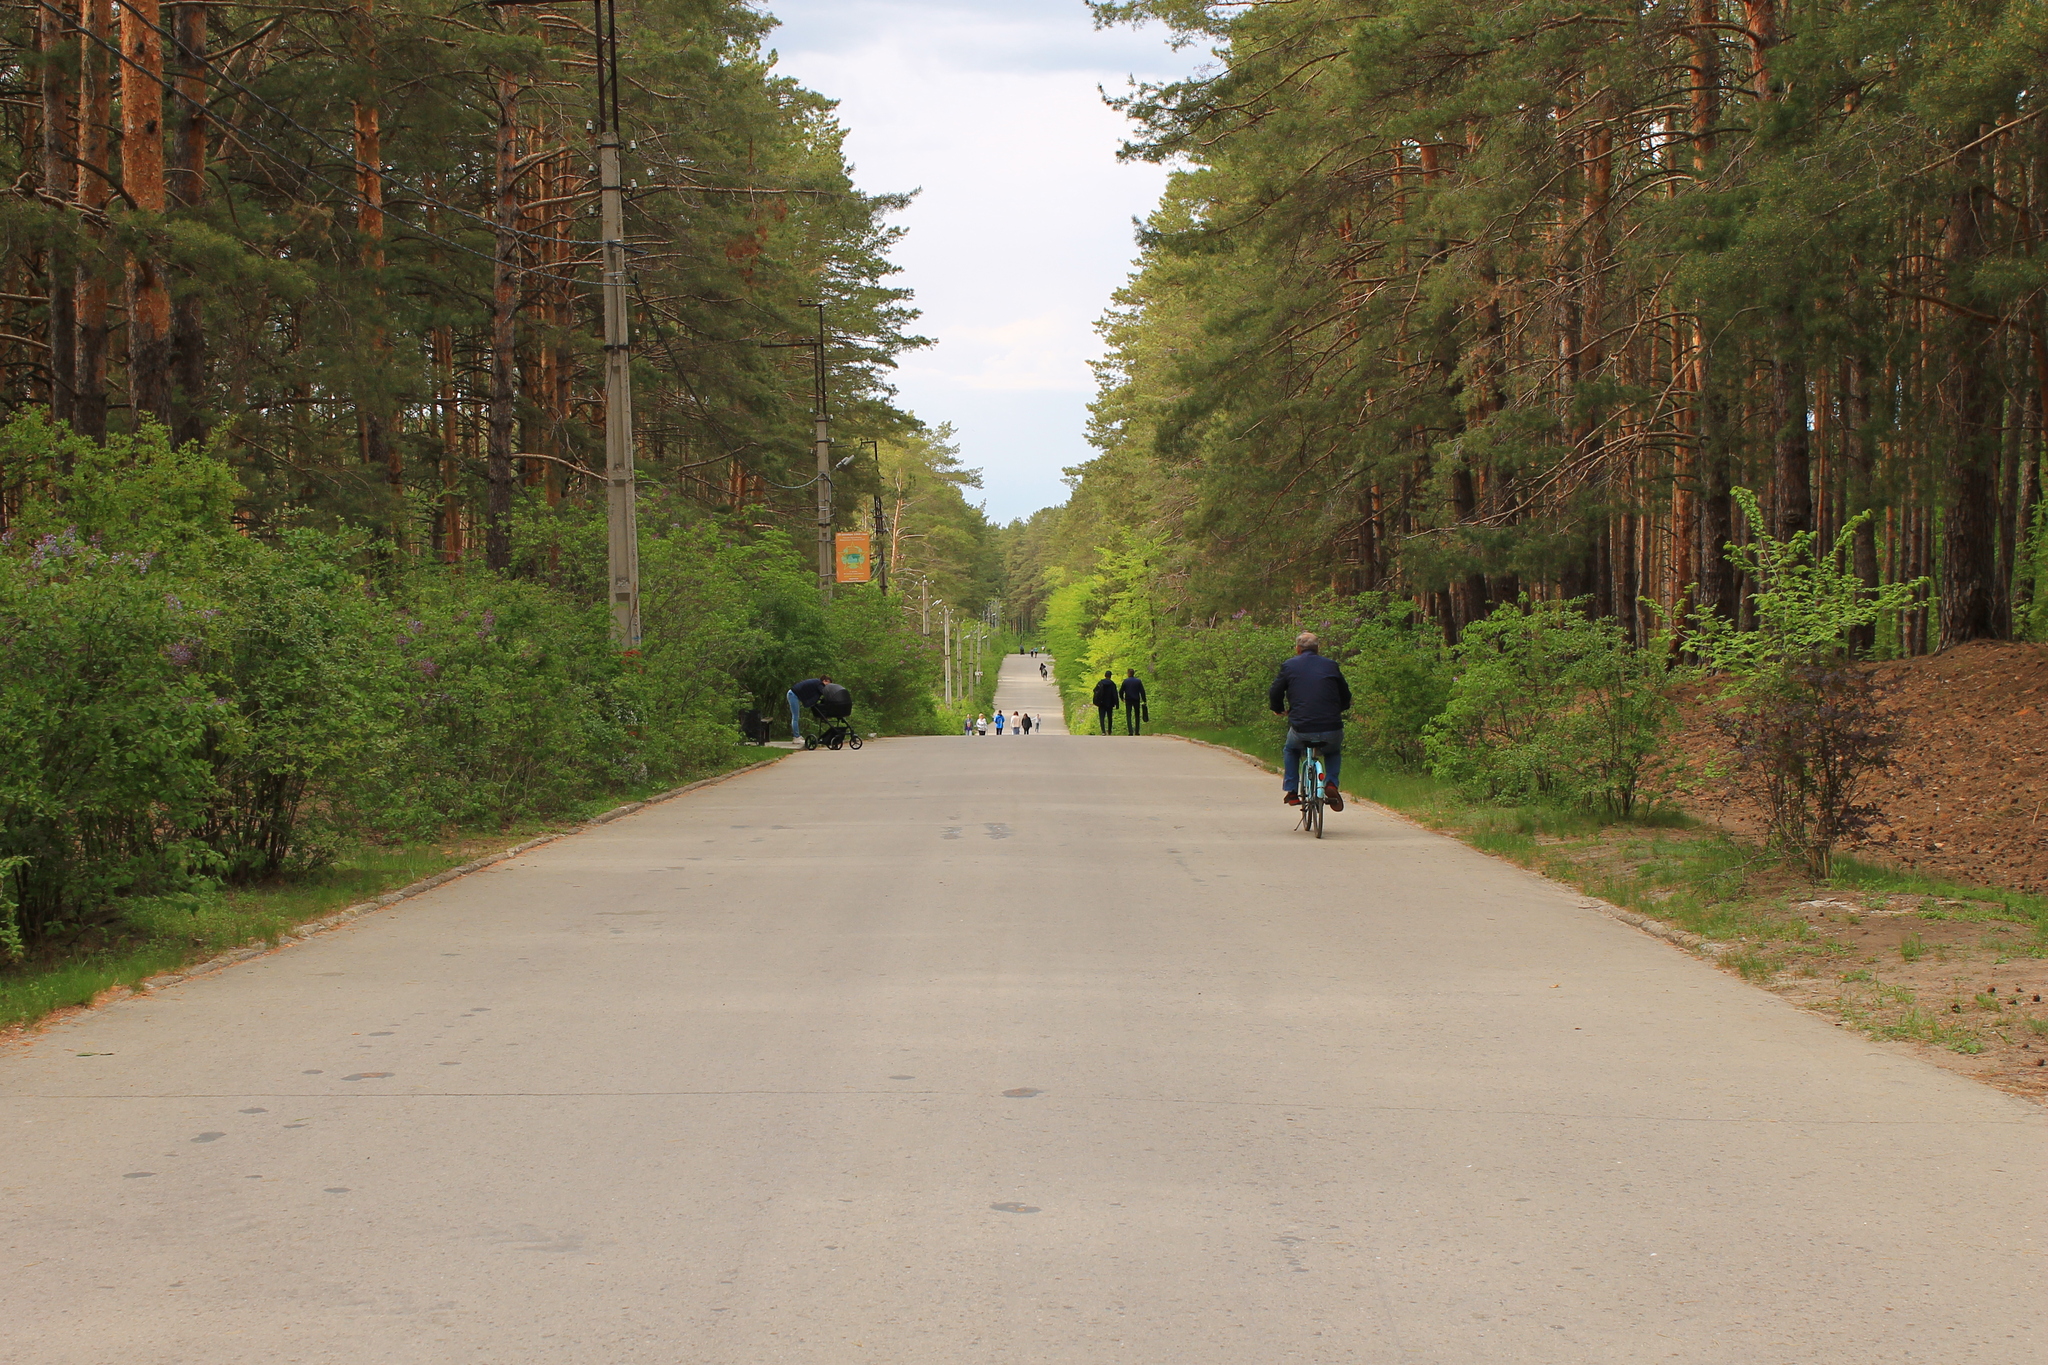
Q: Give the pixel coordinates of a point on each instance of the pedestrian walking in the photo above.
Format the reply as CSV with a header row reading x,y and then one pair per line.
x,y
1133,692
999,725
967,727
980,725
1025,721
1105,703
1041,670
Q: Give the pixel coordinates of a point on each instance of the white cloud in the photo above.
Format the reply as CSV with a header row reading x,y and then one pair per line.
x,y
1022,228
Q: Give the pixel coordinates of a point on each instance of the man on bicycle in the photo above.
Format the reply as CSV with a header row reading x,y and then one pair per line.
x,y
1312,693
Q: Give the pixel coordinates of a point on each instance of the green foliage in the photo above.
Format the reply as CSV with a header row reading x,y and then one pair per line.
x,y
1400,675
1217,675
1808,723
1551,705
105,719
182,704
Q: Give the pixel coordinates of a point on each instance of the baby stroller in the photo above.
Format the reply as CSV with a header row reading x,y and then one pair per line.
x,y
832,708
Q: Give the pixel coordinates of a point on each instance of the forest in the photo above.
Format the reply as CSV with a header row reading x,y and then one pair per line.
x,y
1468,305
301,403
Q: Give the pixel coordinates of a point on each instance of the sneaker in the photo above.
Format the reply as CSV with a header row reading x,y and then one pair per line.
x,y
1291,798
1334,799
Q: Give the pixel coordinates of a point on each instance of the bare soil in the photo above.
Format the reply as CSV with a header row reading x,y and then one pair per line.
x,y
1967,792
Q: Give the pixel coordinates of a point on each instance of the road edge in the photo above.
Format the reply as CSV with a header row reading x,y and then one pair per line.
x,y
348,914
1655,928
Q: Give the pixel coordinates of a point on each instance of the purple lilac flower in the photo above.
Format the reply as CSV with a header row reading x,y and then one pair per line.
x,y
427,667
181,653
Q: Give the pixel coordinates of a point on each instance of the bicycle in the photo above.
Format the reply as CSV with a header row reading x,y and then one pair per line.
x,y
1312,788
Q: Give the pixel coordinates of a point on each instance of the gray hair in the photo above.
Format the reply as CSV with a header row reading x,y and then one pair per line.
x,y
1307,640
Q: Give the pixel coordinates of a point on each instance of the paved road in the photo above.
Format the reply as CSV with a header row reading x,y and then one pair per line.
x,y
1050,1050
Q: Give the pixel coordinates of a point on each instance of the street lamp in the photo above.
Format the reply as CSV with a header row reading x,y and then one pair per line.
x,y
881,527
622,543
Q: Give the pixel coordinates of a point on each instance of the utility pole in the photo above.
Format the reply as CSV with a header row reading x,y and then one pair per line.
x,y
622,539
946,628
821,437
622,522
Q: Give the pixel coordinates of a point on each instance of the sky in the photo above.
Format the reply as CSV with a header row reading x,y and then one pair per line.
x,y
1022,227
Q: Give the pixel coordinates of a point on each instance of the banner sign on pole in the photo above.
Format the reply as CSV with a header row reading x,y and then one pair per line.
x,y
854,551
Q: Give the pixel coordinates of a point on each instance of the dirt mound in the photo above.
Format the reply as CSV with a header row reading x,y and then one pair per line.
x,y
1967,791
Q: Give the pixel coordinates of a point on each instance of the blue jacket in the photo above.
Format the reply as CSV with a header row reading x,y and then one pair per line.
x,y
1313,693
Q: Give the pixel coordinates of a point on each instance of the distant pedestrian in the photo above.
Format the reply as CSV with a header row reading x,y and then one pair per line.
x,y
967,727
981,725
999,725
1025,721
1041,670
1133,692
1105,704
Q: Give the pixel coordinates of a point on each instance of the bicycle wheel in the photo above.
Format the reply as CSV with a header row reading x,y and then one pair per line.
x,y
853,742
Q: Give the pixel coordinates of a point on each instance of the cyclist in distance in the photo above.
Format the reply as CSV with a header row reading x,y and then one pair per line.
x,y
1313,695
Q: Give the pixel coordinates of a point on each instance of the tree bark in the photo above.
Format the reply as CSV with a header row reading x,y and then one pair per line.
x,y
94,296
504,335
1970,407
373,412
187,184
60,182
1791,444
142,178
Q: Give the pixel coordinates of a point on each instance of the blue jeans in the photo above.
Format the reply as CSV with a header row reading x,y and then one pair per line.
x,y
796,715
1297,741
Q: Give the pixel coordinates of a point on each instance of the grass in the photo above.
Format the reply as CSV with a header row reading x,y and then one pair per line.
x,y
149,936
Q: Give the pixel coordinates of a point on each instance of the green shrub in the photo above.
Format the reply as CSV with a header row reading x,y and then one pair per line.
x,y
105,721
1400,676
1218,674
1807,722
1552,706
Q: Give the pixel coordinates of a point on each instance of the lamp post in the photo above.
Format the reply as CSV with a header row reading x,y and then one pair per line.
x,y
622,542
881,526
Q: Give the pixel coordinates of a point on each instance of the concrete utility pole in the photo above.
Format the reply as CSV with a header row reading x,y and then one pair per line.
x,y
622,539
622,523
821,437
946,627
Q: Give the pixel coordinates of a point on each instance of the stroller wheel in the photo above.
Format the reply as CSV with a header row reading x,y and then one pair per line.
x,y
834,740
810,742
853,741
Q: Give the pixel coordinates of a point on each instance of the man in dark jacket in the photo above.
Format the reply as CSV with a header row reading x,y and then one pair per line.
x,y
1312,692
1105,704
1133,692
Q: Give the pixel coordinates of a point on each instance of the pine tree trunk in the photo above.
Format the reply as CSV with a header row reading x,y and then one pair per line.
x,y
60,183
373,416
142,178
1970,409
94,295
187,183
1791,448
504,336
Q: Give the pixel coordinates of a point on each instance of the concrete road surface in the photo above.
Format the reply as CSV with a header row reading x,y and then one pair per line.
x,y
1063,1049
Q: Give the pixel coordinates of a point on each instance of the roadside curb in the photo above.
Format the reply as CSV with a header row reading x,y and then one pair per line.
x,y
1656,928
336,919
